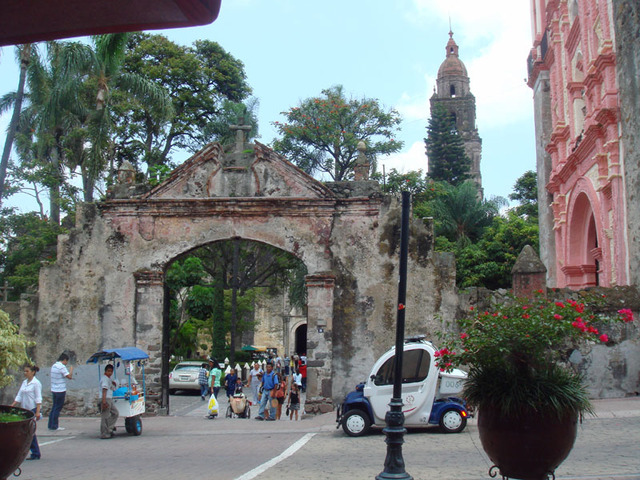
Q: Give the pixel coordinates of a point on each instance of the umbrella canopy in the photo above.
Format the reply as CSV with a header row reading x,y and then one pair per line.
x,y
37,20
124,353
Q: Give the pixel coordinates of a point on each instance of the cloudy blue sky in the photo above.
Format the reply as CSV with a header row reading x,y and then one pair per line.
x,y
389,50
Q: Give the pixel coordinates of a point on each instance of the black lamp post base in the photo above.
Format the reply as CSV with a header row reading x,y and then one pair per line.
x,y
394,463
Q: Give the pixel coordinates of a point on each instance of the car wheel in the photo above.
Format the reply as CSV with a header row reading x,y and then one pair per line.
x,y
172,391
356,423
452,421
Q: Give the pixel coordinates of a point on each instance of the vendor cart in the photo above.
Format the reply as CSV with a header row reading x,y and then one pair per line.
x,y
129,398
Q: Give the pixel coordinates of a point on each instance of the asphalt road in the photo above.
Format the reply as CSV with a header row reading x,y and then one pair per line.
x,y
190,446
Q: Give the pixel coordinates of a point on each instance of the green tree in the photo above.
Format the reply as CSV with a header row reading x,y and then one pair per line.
x,y
460,215
204,82
445,149
525,192
104,65
27,241
322,133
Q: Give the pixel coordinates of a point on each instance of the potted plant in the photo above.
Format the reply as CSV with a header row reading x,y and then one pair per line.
x,y
527,395
17,425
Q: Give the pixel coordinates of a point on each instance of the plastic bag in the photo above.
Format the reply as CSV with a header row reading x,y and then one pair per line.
x,y
213,406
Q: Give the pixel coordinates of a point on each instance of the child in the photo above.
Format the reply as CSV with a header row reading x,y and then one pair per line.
x,y
294,401
239,386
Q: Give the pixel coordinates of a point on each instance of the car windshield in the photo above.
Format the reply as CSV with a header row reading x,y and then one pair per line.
x,y
187,367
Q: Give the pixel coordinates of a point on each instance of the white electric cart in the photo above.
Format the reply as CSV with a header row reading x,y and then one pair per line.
x,y
129,398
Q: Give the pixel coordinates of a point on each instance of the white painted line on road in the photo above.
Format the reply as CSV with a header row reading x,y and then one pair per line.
x,y
55,441
274,461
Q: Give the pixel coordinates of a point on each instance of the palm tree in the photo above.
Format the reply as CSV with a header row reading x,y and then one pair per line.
x,y
461,215
105,74
23,55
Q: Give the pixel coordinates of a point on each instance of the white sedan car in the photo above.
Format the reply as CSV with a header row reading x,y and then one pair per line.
x,y
184,376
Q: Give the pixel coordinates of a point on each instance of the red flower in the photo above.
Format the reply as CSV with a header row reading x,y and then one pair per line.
x,y
560,304
557,317
604,338
463,336
627,315
526,315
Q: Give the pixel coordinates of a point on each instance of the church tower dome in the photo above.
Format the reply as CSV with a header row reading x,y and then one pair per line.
x,y
452,75
453,93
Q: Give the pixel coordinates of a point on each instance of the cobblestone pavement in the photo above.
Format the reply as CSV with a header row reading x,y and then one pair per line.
x,y
237,449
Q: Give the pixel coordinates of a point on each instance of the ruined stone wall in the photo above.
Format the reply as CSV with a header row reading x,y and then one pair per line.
x,y
365,261
269,326
627,28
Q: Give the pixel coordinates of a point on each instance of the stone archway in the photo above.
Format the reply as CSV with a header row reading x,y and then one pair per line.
x,y
106,288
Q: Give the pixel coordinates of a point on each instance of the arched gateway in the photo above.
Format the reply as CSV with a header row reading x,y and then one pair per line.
x,y
107,287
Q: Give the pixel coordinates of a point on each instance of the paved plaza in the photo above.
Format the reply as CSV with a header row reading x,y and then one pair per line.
x,y
189,446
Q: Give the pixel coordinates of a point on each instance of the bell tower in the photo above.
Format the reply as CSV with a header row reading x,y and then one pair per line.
x,y
453,93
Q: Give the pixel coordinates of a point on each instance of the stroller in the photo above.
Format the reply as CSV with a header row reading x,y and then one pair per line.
x,y
238,405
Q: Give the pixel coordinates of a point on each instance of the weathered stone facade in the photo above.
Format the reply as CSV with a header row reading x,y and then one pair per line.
x,y
106,288
627,27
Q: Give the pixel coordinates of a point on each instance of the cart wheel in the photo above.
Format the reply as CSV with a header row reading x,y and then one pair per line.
x,y
128,426
136,425
356,423
229,412
452,421
248,412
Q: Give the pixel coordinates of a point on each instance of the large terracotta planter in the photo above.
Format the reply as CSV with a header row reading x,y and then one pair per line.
x,y
15,440
528,446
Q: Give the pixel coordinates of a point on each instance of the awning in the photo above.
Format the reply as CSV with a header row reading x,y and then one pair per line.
x,y
253,348
29,21
123,353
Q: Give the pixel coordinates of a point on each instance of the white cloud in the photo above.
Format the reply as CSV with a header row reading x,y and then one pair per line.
x,y
414,158
494,39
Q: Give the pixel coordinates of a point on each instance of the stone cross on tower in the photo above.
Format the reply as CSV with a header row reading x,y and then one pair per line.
x,y
240,129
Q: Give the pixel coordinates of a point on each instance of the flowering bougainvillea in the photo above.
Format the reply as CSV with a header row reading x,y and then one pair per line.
x,y
516,353
526,332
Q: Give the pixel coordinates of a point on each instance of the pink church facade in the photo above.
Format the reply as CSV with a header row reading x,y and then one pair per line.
x,y
580,160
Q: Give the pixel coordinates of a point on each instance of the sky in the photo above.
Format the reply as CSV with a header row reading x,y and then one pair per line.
x,y
381,49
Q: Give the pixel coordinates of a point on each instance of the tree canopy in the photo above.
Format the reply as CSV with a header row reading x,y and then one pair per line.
x,y
203,81
448,160
321,135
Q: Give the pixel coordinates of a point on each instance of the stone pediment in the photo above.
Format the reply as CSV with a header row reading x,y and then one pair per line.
x,y
257,171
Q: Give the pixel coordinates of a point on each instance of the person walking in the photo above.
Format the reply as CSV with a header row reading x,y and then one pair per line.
x,y
59,375
203,380
230,383
269,383
297,378
293,404
255,379
108,411
281,393
215,375
303,372
30,398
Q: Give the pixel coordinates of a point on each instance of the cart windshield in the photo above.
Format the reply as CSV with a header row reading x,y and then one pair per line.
x,y
415,368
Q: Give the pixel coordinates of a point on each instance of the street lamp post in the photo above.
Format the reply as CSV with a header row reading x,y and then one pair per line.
x,y
394,463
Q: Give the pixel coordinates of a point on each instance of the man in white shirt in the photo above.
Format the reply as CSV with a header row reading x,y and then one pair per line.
x,y
108,411
59,375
